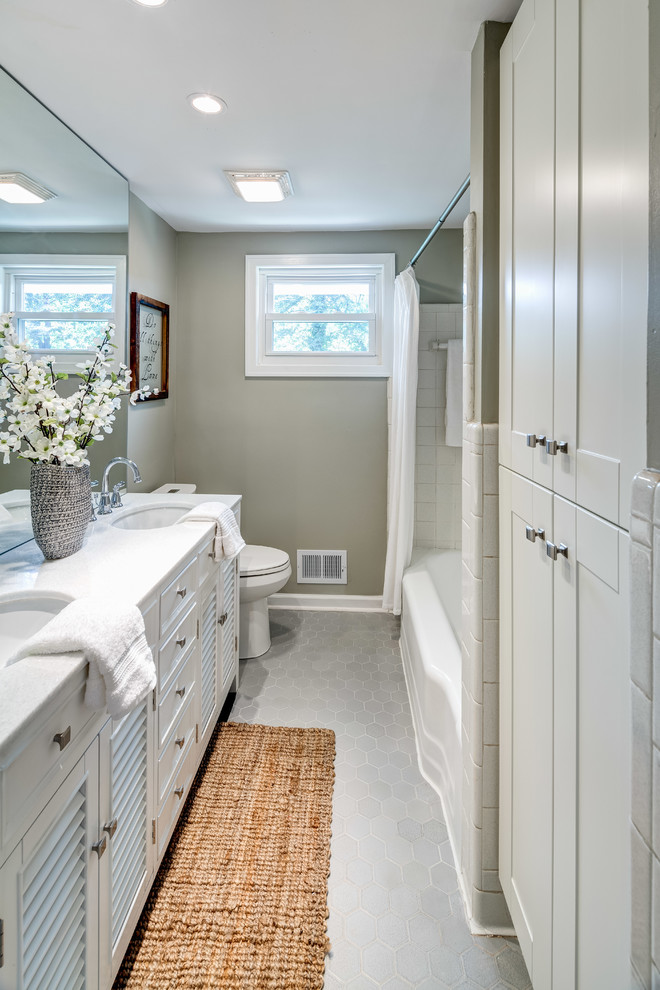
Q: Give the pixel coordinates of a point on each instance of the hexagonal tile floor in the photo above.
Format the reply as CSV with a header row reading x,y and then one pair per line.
x,y
396,915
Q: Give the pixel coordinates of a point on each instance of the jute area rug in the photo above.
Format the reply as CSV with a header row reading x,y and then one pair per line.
x,y
239,902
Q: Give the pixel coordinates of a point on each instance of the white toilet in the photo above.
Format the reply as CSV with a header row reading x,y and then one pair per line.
x,y
263,572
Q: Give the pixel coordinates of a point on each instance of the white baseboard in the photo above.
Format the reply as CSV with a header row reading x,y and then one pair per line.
x,y
328,603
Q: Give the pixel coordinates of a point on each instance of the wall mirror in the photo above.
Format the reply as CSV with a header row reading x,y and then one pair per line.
x,y
80,233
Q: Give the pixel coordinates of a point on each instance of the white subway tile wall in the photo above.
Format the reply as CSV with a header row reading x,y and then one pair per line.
x,y
645,702
437,467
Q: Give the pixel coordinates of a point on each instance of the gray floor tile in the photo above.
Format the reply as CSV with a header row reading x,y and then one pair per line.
x,y
396,916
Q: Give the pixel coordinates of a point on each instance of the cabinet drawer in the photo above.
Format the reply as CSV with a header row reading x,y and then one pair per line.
x,y
175,797
43,759
175,749
175,647
206,564
177,695
177,595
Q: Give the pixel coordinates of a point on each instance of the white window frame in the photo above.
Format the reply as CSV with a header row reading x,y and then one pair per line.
x,y
262,361
13,266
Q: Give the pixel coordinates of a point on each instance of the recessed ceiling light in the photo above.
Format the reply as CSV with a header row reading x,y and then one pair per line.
x,y
206,103
261,187
150,3
15,187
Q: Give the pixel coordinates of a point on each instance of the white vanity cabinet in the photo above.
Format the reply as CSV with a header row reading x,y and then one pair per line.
x,y
88,804
565,749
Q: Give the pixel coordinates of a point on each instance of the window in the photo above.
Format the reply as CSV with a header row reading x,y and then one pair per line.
x,y
318,315
63,305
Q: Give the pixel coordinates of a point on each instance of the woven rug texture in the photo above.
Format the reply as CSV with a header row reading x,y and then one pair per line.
x,y
240,900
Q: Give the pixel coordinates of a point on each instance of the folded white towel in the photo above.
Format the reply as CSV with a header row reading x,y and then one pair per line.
x,y
228,541
454,407
111,636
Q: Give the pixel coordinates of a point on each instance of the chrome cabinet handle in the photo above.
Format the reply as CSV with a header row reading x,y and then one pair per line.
x,y
554,446
180,741
553,551
181,691
110,827
63,738
181,642
99,847
178,791
223,618
182,592
531,534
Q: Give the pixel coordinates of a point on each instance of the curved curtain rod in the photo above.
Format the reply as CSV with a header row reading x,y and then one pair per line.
x,y
441,219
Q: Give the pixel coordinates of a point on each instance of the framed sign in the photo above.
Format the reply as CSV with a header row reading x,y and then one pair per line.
x,y
150,326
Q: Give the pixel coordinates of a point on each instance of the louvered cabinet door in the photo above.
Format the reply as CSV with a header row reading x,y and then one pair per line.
x,y
126,813
229,580
49,891
210,622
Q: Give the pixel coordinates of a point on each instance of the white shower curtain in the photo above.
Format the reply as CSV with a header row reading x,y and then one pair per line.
x,y
401,462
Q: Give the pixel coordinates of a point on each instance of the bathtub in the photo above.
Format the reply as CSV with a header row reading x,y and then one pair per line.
x,y
431,654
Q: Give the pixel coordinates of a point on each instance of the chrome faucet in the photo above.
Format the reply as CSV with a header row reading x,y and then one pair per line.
x,y
107,499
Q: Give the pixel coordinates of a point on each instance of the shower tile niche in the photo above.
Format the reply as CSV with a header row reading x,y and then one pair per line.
x,y
437,466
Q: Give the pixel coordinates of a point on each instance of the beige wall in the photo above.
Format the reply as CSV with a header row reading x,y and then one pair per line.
x,y
308,456
152,272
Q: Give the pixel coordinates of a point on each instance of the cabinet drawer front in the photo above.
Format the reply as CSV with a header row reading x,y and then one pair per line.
x,y
175,647
43,758
175,798
175,749
177,595
181,689
206,564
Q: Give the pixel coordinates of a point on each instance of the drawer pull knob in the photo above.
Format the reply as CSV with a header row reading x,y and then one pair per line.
x,y
180,741
178,791
181,691
531,534
553,551
223,618
99,847
63,738
110,827
210,554
181,642
182,592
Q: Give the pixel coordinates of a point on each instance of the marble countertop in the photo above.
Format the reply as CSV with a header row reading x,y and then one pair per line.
x,y
114,563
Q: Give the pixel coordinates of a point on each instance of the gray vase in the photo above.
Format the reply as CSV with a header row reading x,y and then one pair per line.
x,y
61,508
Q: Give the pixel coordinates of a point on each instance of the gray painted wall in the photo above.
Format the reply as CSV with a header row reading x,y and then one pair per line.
x,y
653,367
484,201
308,455
152,272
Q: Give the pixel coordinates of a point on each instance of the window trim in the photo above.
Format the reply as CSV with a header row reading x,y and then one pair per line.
x,y
41,265
262,361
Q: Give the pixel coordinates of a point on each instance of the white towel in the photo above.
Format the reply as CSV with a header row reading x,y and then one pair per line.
x,y
228,541
454,407
111,637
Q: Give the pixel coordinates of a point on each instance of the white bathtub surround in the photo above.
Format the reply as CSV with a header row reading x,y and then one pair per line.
x,y
437,466
480,679
401,460
645,703
431,655
469,314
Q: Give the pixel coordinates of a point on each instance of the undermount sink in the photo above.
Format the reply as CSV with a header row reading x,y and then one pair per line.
x,y
154,516
23,615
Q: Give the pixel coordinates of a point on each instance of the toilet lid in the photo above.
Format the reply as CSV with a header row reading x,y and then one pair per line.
x,y
262,560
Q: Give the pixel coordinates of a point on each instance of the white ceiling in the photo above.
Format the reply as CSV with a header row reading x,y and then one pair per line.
x,y
365,102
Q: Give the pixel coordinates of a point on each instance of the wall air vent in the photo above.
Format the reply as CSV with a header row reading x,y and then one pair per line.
x,y
322,567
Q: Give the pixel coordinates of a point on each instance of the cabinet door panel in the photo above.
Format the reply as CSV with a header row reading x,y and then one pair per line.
x,y
532,238
526,727
613,252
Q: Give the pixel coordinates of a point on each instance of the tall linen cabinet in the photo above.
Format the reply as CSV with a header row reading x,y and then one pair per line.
x,y
574,253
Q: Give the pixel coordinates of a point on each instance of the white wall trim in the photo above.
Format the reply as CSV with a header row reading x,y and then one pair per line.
x,y
328,603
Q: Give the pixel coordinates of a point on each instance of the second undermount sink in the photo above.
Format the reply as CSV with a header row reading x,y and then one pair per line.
x,y
24,614
154,516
